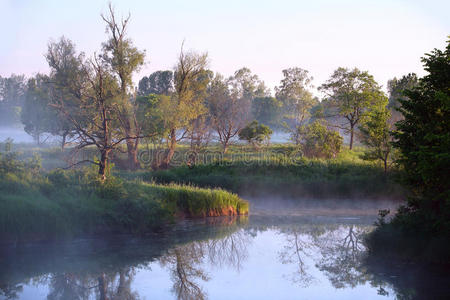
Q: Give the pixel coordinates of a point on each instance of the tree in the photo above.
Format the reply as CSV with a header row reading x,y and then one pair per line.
x,y
37,116
424,140
124,60
246,86
228,116
12,97
294,92
200,128
94,112
255,133
267,110
65,80
319,141
159,83
376,135
185,104
350,94
396,88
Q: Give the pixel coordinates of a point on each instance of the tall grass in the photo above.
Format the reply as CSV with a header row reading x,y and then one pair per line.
x,y
70,203
346,176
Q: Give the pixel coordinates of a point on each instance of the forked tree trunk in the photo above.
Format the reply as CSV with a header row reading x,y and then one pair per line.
x,y
132,150
172,145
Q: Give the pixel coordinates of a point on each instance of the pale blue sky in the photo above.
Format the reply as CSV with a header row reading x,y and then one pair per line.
x,y
387,38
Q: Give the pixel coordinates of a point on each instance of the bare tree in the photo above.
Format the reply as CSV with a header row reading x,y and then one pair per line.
x,y
92,117
229,112
124,59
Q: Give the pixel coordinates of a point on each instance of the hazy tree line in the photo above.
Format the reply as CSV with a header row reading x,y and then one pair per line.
x,y
92,101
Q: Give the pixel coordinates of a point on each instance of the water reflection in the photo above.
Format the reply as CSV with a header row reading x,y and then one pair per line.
x,y
85,286
203,259
185,262
342,254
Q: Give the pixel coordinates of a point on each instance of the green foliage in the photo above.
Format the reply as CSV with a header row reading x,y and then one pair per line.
x,y
284,173
36,205
149,115
352,93
12,95
267,110
423,138
159,83
296,98
376,135
319,141
420,230
396,88
37,114
255,133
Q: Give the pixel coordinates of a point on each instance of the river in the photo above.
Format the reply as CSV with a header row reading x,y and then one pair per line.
x,y
293,253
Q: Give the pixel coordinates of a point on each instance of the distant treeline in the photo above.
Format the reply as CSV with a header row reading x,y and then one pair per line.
x,y
92,101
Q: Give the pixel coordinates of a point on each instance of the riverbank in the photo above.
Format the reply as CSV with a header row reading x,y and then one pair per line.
x,y
345,177
63,204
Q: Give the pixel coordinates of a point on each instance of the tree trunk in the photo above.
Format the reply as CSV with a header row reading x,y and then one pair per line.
x,y
102,287
132,150
225,147
103,164
63,143
171,152
352,127
38,138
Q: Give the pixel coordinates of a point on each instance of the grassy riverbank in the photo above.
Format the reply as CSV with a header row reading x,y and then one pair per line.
x,y
345,177
36,205
278,169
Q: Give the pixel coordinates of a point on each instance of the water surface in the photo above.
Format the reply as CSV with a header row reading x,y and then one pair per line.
x,y
315,255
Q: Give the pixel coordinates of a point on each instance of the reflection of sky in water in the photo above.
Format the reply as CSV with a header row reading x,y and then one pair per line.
x,y
262,276
306,260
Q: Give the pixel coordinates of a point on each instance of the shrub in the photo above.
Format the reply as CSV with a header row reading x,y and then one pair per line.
x,y
255,133
319,141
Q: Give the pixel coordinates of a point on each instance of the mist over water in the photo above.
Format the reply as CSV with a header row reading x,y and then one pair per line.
x,y
275,205
282,250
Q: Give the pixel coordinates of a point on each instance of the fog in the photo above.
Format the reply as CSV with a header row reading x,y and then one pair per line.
x,y
19,136
273,205
16,133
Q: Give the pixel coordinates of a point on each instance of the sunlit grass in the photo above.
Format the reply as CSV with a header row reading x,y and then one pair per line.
x,y
71,203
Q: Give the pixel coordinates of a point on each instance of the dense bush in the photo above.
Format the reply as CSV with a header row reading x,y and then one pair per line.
x,y
423,139
319,141
255,133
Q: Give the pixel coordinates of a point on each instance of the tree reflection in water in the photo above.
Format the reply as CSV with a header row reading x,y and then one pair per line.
x,y
342,254
103,286
336,250
185,262
311,246
297,248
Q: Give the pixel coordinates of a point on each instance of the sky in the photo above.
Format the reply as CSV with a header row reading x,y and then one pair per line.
x,y
386,38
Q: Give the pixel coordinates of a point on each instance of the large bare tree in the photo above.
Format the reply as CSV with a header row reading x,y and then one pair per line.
x,y
228,112
124,59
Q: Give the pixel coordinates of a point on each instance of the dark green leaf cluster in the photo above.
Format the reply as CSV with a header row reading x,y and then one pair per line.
x,y
255,133
423,138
